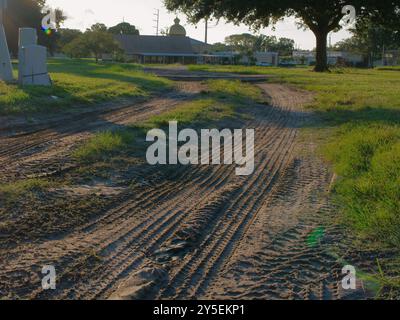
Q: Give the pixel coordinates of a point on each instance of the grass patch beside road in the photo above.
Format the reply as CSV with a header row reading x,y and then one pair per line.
x,y
103,145
80,82
228,89
198,111
221,101
367,158
12,191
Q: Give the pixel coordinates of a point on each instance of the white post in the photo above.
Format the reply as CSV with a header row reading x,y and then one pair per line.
x,y
6,73
32,59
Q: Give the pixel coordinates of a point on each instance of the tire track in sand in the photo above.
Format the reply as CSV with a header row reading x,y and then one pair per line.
x,y
130,236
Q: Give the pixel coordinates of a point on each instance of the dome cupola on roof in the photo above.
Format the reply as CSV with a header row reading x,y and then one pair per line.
x,y
177,29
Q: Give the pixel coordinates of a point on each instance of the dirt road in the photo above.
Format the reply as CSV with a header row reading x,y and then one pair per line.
x,y
202,232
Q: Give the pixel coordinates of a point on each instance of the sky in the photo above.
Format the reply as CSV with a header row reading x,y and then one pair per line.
x,y
83,13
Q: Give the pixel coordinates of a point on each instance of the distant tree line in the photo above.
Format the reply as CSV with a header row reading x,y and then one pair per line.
x,y
246,45
253,43
371,40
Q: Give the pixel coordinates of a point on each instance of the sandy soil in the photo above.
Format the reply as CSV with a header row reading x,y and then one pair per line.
x,y
202,233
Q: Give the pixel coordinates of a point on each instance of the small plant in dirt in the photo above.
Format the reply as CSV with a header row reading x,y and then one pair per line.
x,y
12,191
104,145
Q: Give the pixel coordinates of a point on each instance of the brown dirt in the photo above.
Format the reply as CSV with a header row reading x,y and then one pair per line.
x,y
198,232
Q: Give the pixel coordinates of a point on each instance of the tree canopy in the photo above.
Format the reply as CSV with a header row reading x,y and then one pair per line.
x,y
320,16
124,28
66,36
247,44
95,41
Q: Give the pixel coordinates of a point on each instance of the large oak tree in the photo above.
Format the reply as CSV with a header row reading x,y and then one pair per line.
x,y
320,16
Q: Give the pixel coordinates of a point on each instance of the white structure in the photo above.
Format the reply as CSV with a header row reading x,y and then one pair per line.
x,y
267,58
6,73
304,57
334,57
344,57
261,58
391,58
32,59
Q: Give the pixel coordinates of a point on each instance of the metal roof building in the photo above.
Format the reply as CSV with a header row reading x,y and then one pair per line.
x,y
174,48
162,49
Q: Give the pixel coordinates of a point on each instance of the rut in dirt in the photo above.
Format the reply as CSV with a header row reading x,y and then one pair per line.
x,y
205,232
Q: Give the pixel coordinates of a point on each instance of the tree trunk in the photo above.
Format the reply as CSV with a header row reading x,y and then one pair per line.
x,y
322,51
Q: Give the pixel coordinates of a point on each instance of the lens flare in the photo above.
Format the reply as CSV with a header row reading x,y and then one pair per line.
x,y
47,31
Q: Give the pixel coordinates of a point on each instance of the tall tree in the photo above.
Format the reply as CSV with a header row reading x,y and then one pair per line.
x,y
98,27
285,46
266,43
66,36
124,28
320,16
244,43
95,41
220,47
77,48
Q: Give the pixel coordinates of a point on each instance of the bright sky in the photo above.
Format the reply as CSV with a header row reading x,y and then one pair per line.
x,y
83,13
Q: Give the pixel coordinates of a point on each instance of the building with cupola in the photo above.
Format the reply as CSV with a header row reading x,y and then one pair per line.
x,y
174,47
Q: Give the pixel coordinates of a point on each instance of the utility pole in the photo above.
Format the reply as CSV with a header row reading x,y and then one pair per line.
x,y
206,32
157,20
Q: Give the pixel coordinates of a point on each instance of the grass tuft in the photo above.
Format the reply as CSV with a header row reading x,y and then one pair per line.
x,y
103,145
14,190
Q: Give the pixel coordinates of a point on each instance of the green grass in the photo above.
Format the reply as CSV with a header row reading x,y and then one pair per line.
x,y
193,112
14,190
221,101
80,82
103,145
367,158
228,89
